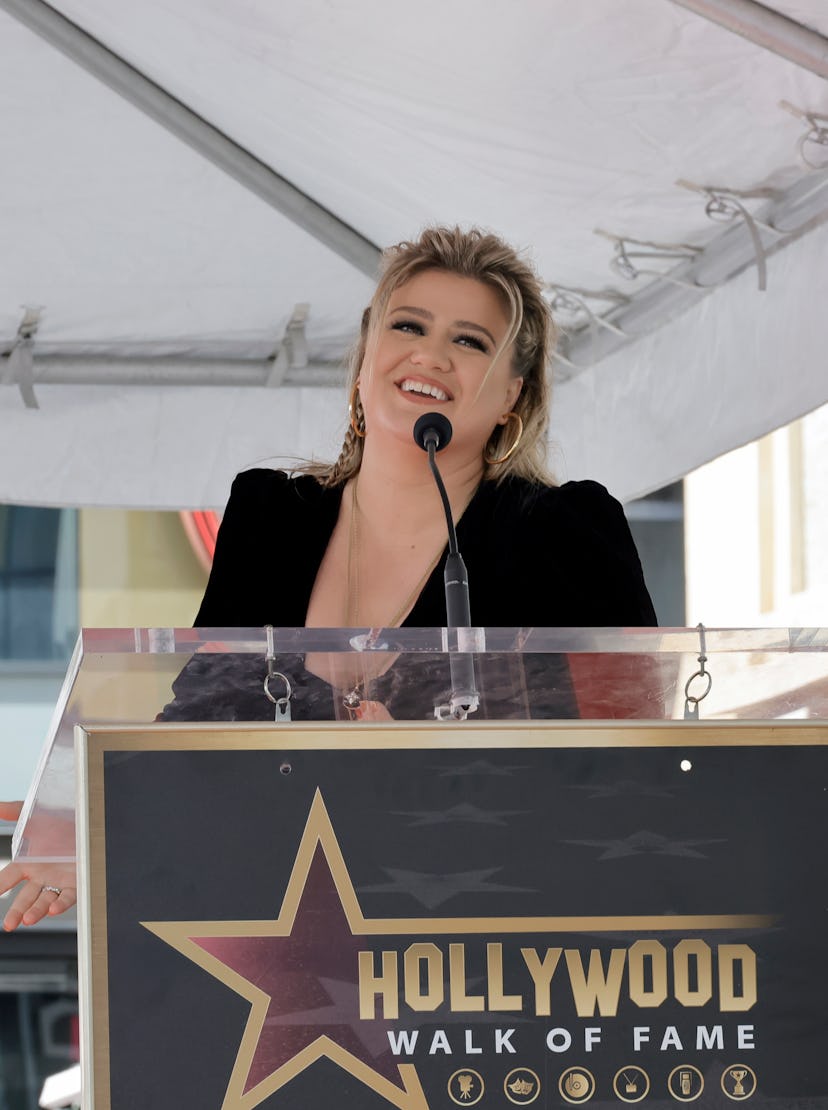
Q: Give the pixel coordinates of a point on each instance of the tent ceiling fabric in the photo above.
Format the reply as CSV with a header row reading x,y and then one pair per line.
x,y
541,121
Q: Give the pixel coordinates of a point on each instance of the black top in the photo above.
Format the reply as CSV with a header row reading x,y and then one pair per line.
x,y
559,556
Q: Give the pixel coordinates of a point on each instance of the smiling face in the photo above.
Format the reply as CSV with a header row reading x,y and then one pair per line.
x,y
434,351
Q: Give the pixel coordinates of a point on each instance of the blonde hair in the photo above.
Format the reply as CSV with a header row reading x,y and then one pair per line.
x,y
486,258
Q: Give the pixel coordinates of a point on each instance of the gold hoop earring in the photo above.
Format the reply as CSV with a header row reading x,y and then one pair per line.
x,y
503,458
352,416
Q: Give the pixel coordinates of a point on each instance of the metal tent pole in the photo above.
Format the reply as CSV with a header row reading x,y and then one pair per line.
x,y
155,102
767,28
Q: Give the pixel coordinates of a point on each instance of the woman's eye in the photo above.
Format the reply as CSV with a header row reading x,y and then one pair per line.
x,y
411,326
473,341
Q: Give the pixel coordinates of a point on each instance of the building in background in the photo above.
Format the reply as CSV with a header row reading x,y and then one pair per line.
x,y
757,556
757,531
657,525
61,570
38,627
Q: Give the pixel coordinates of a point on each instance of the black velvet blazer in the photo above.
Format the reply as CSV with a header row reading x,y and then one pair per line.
x,y
536,555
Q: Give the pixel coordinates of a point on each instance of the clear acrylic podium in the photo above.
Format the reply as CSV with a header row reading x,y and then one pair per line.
x,y
599,887
125,676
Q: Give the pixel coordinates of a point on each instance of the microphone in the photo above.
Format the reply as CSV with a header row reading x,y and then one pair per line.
x,y
434,428
432,432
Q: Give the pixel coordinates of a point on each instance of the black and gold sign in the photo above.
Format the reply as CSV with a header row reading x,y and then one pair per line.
x,y
527,916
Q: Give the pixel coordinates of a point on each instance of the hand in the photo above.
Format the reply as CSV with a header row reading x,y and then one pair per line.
x,y
33,902
372,711
10,811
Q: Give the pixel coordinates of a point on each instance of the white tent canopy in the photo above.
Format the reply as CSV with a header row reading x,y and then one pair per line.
x,y
180,281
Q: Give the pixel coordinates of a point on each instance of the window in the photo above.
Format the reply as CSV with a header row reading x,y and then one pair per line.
x,y
657,525
38,582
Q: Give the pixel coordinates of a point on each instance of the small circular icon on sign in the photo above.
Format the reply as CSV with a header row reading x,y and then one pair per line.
x,y
521,1086
631,1083
739,1082
576,1085
685,1083
466,1087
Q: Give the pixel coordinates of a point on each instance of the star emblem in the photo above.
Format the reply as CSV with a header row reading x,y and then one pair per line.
x,y
459,814
624,788
299,974
641,843
433,890
481,767
299,970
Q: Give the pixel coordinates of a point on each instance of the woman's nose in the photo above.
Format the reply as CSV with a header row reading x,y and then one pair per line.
x,y
431,353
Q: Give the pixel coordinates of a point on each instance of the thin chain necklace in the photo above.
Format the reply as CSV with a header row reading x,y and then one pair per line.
x,y
353,571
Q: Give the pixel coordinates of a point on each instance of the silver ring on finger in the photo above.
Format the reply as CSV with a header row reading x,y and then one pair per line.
x,y
53,889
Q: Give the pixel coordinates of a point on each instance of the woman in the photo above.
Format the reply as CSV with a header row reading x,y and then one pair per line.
x,y
457,325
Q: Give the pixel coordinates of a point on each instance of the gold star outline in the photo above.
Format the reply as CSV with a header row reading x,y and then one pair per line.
x,y
319,832
179,934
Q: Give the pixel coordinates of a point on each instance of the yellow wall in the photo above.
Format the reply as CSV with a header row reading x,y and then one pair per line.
x,y
137,569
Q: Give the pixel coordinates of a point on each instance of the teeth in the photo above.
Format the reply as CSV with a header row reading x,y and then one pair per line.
x,y
409,386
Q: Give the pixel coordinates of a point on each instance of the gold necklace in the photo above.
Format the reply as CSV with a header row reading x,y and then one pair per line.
x,y
353,571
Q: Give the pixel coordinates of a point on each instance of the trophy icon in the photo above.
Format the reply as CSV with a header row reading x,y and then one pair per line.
x,y
739,1082
737,1075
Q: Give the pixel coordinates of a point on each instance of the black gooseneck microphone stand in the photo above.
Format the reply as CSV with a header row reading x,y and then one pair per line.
x,y
432,432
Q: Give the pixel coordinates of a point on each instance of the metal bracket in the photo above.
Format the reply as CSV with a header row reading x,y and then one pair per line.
x,y
566,300
19,368
282,703
691,701
292,353
457,708
816,135
622,260
725,204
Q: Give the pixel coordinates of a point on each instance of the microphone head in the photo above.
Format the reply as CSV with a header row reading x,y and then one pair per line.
x,y
432,427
